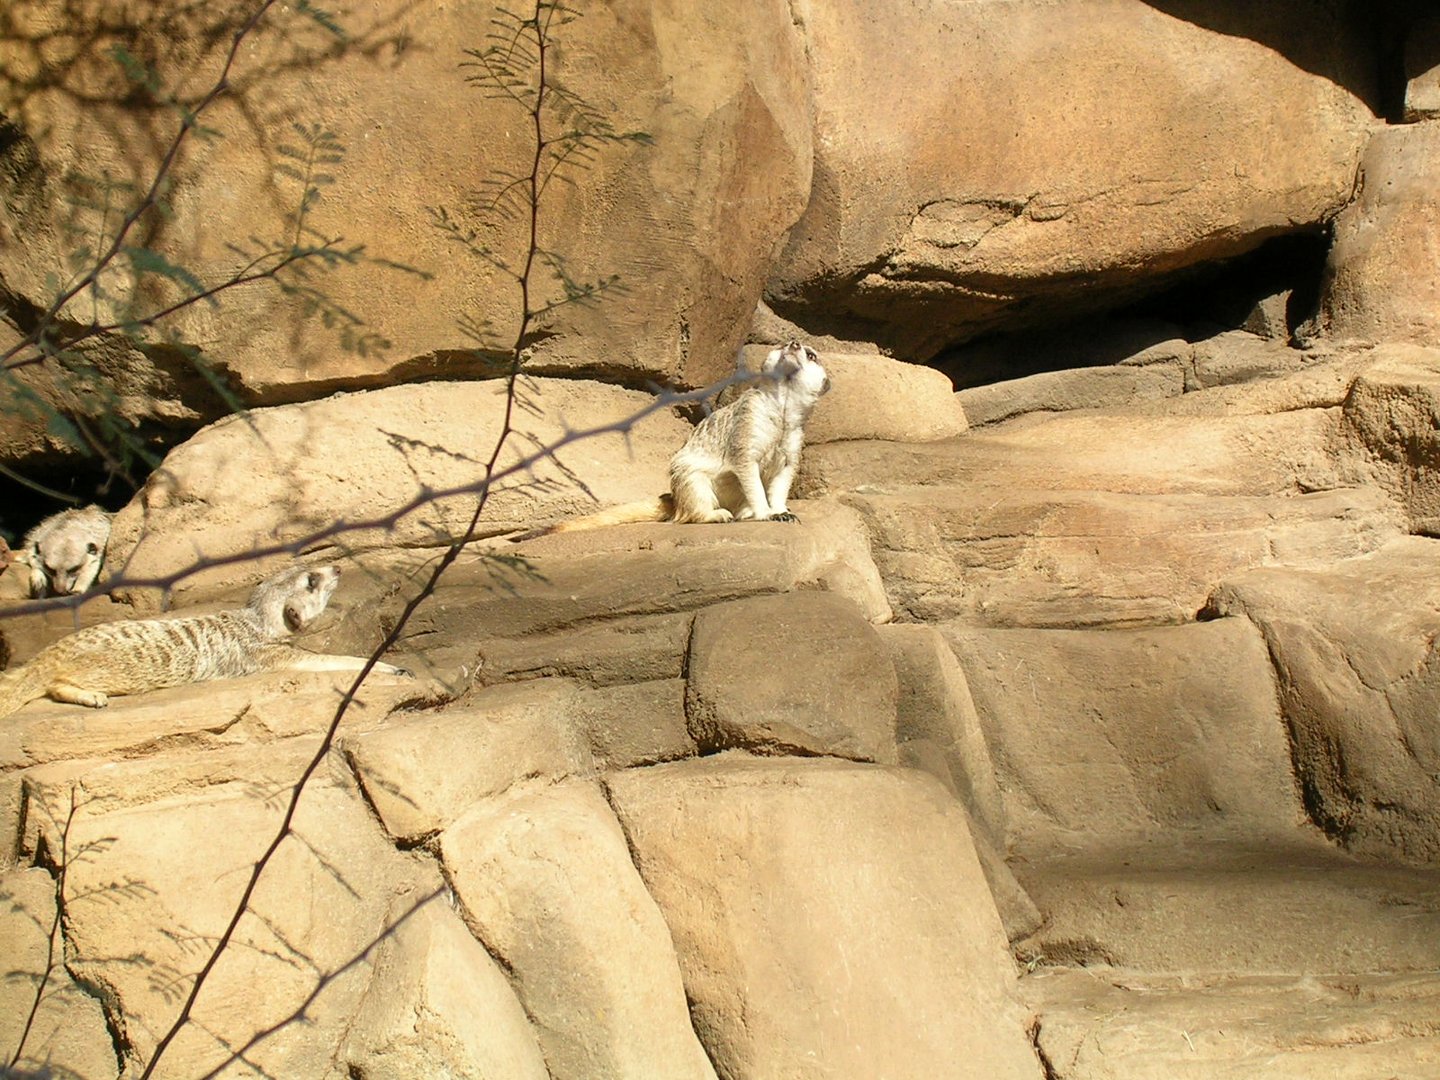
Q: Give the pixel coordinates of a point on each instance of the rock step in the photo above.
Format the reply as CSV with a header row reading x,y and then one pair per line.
x,y
1241,1028
1261,909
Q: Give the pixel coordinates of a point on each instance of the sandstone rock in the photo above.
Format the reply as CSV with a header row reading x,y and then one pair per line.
x,y
1390,423
1281,1028
1359,689
1077,388
1238,356
621,650
1380,280
66,1035
160,878
1103,736
1070,157
875,397
613,575
26,628
1246,454
769,329
799,673
935,707
439,1006
1007,554
688,219
546,883
1175,907
1322,382
1100,341
422,772
281,474
640,724
830,918
1422,70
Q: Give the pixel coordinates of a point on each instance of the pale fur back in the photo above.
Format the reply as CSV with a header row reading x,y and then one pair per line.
x,y
150,654
64,553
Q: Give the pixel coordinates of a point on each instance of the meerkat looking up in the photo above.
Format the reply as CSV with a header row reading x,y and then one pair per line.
x,y
150,654
739,462
64,552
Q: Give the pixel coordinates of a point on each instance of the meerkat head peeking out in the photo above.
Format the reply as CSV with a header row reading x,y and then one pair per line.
x,y
739,462
64,552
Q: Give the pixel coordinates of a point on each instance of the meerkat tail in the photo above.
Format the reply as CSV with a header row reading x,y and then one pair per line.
x,y
657,509
20,687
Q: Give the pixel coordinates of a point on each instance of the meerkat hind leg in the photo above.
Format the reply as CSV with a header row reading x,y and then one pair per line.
x,y
75,695
696,502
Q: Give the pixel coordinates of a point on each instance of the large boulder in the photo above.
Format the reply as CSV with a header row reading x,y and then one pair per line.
x,y
799,673
1381,282
830,919
546,883
1360,690
978,163
687,219
277,475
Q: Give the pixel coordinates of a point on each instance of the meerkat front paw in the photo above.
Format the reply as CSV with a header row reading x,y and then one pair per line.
x,y
783,515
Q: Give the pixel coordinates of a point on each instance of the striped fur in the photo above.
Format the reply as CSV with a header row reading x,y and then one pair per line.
x,y
150,654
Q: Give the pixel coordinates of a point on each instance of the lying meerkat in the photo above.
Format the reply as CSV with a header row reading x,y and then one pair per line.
x,y
739,462
150,654
64,552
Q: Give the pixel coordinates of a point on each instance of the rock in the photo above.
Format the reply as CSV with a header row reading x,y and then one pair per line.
x,y
935,708
616,576
1422,70
721,95
66,1035
1099,341
1282,1028
546,883
1006,554
875,397
1390,425
640,724
1380,281
830,918
166,859
1238,356
769,329
1071,157
800,673
1359,690
621,650
422,772
282,474
1077,388
439,1006
24,630
1109,737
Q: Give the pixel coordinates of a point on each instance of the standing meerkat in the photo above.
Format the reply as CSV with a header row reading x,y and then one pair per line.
x,y
64,552
739,462
150,654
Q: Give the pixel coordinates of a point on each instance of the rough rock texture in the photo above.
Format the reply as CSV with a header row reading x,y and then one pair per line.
x,y
1338,1027
1422,70
1391,423
980,160
1106,736
1360,690
801,964
1380,282
284,473
438,1005
717,91
546,882
797,674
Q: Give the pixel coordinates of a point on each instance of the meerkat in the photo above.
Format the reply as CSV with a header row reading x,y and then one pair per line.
x,y
150,654
739,462
64,552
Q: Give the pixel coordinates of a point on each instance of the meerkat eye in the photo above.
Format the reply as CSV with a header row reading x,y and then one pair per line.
x,y
93,549
312,581
811,353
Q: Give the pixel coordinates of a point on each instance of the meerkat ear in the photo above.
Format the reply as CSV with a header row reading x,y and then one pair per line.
x,y
293,619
